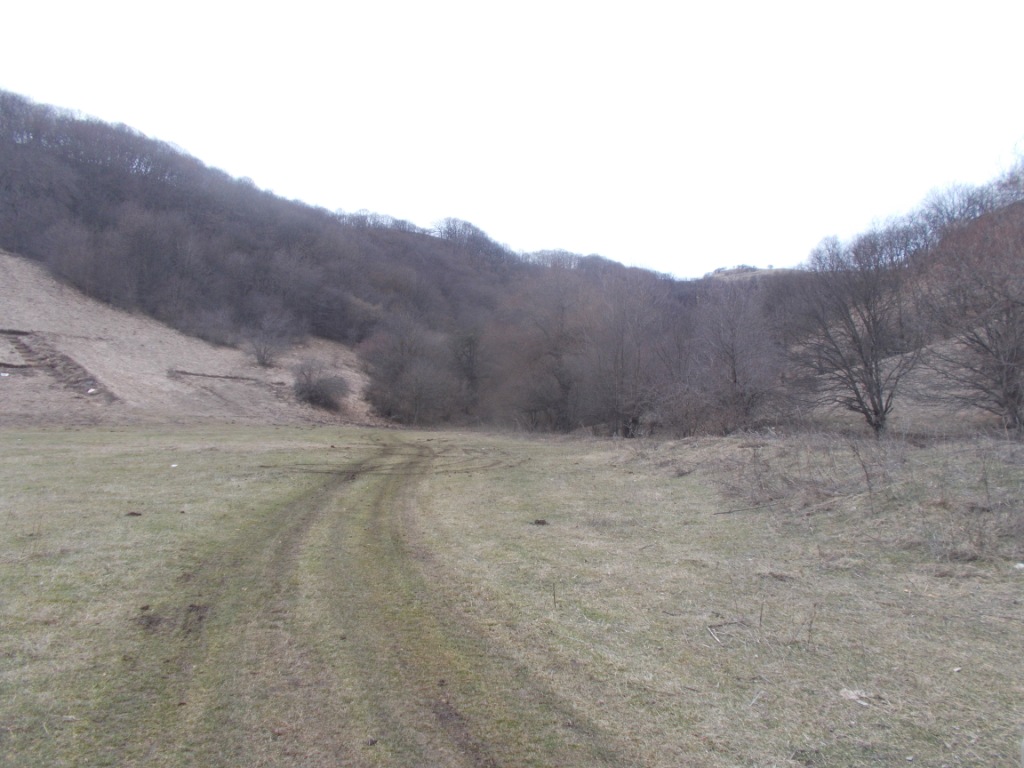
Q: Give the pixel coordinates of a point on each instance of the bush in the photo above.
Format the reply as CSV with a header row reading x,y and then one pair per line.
x,y
315,386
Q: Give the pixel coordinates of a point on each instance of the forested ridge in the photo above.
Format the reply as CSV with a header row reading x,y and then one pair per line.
x,y
456,328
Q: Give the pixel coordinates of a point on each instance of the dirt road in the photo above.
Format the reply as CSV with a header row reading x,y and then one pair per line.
x,y
320,641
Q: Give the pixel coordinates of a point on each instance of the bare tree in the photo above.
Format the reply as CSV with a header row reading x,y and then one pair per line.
x,y
952,207
274,334
740,359
862,338
535,342
412,372
975,297
617,354
466,357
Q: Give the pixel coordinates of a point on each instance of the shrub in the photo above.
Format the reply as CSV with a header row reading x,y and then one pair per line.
x,y
315,386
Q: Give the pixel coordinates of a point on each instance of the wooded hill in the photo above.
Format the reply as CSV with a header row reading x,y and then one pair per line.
x,y
456,328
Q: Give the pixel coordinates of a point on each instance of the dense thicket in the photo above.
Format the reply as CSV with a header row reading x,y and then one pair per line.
x,y
454,327
141,225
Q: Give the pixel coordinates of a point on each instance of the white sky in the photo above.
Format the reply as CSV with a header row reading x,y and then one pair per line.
x,y
676,136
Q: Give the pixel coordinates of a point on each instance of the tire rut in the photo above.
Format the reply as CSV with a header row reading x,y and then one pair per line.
x,y
441,696
320,642
243,676
416,721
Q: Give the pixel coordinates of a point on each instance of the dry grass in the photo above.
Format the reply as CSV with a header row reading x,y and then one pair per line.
x,y
323,597
103,535
156,374
754,601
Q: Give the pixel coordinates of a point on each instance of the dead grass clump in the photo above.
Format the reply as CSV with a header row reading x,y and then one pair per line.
x,y
784,474
968,531
745,600
959,500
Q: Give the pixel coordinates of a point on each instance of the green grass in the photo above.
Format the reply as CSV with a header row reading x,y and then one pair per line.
x,y
285,596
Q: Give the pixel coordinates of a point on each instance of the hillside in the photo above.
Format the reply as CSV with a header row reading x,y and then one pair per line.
x,y
68,359
452,328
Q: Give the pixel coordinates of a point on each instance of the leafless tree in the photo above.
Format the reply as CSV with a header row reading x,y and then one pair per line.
x,y
617,362
741,361
274,333
975,298
534,345
950,208
863,339
467,367
412,372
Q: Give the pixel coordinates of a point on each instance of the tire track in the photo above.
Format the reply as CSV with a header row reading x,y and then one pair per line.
x,y
440,695
243,676
319,641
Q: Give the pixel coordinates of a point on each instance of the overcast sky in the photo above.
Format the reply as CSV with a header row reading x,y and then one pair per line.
x,y
676,136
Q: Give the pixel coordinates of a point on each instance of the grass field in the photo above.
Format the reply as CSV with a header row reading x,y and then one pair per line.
x,y
242,596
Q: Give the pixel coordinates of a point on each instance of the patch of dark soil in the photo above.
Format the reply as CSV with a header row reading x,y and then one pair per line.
x,y
195,616
190,624
150,622
454,723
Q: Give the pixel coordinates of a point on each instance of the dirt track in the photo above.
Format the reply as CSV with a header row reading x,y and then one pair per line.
x,y
319,634
324,642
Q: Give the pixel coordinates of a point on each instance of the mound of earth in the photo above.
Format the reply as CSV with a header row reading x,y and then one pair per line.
x,y
68,359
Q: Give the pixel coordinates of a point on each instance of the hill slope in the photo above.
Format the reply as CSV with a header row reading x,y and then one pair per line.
x,y
69,359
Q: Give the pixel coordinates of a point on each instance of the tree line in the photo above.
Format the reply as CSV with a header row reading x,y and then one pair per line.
x,y
456,328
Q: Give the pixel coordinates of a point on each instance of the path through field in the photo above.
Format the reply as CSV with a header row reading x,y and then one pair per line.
x,y
322,643
229,595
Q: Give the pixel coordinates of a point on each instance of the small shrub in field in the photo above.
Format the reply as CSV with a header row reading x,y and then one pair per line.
x,y
315,386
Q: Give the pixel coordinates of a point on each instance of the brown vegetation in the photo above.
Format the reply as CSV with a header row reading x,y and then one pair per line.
x,y
453,328
246,595
69,360
250,594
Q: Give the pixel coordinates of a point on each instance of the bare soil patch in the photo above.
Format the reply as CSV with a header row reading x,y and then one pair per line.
x,y
69,359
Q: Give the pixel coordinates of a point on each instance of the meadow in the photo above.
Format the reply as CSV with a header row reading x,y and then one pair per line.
x,y
297,596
